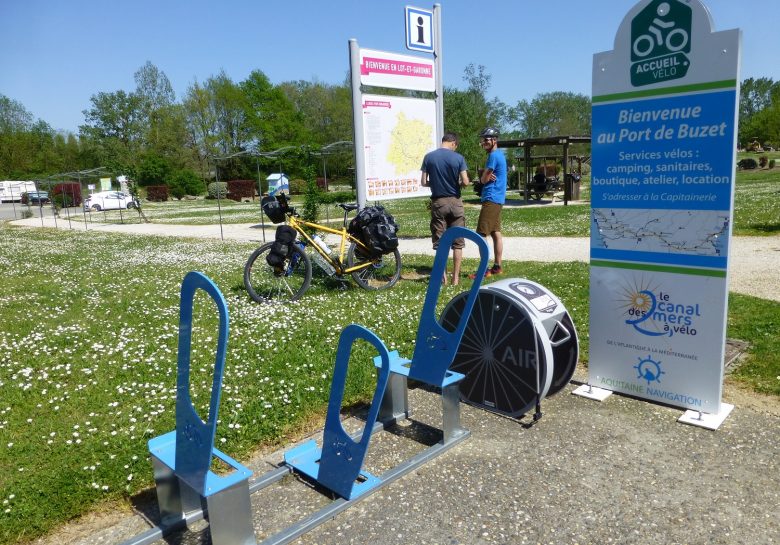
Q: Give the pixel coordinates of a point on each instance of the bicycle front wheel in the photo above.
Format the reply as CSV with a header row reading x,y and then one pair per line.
x,y
383,271
288,282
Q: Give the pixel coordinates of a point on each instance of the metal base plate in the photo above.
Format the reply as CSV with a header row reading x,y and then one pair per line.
x,y
707,420
592,392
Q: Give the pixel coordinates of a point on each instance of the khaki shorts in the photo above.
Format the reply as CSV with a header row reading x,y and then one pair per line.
x,y
489,218
446,212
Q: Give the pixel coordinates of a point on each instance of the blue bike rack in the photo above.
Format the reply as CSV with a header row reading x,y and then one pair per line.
x,y
182,458
338,465
435,347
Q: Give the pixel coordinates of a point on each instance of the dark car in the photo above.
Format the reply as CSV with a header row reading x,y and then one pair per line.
x,y
35,197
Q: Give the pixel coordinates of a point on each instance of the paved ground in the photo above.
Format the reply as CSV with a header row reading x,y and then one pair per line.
x,y
622,471
754,261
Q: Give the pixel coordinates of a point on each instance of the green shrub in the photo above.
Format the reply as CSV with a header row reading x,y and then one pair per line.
x,y
771,163
186,182
297,186
63,200
332,197
311,198
217,190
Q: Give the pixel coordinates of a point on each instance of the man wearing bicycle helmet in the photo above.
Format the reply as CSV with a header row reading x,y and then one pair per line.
x,y
493,196
444,171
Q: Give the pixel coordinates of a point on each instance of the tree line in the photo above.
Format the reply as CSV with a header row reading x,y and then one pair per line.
x,y
157,139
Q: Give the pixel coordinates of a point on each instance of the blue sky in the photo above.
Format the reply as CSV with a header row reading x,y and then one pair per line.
x,y
57,54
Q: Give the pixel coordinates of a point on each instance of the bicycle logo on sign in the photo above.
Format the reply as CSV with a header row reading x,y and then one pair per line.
x,y
675,40
660,38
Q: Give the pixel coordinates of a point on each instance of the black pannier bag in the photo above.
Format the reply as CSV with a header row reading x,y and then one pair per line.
x,y
273,209
280,248
376,229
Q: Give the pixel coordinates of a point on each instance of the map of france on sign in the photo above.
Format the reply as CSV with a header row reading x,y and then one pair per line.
x,y
384,69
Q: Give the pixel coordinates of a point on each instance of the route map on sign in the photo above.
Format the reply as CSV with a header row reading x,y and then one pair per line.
x,y
690,232
397,133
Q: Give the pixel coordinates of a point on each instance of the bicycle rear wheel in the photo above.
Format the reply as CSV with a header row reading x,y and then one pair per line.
x,y
265,284
384,271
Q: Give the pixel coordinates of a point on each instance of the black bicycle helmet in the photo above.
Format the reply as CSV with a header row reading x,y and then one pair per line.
x,y
489,132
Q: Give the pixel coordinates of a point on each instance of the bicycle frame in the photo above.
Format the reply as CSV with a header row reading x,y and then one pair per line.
x,y
340,262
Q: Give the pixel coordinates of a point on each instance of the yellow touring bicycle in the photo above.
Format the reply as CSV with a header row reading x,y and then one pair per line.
x,y
289,279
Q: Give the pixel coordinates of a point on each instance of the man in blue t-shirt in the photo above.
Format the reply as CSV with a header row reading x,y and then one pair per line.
x,y
444,171
493,195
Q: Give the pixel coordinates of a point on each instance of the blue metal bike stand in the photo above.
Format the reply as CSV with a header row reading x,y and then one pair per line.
x,y
182,458
435,347
338,465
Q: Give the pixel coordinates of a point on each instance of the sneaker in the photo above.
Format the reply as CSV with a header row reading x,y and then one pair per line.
x,y
495,270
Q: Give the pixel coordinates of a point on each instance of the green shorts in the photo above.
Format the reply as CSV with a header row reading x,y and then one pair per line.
x,y
489,218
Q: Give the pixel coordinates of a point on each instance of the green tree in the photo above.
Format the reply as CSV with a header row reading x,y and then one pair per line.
x,y
467,112
216,118
153,169
553,114
153,89
327,110
758,102
271,118
114,125
27,146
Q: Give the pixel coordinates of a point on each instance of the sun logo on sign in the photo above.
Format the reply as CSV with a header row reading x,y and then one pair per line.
x,y
637,301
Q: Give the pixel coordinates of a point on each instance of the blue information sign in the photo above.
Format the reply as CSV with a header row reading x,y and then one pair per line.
x,y
662,186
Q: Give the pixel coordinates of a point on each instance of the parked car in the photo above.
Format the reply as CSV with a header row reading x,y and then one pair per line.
x,y
35,197
108,200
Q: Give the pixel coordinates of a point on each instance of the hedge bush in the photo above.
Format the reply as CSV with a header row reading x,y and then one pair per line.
x,y
67,194
336,197
157,193
240,189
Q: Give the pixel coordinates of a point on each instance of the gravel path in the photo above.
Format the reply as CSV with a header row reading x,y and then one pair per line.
x,y
754,268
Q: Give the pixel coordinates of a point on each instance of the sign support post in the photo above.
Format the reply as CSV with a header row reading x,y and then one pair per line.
x,y
437,59
357,123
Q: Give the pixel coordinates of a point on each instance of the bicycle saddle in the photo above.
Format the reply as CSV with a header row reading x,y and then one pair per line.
x,y
348,207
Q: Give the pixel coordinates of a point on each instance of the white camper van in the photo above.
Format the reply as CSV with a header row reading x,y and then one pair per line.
x,y
11,191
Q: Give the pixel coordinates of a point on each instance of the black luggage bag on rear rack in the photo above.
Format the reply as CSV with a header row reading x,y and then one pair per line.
x,y
376,228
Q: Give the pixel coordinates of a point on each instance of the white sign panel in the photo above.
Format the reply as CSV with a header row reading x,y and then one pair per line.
x,y
384,69
419,29
664,140
397,133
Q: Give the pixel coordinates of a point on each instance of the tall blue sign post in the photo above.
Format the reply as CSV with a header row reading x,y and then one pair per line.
x,y
664,153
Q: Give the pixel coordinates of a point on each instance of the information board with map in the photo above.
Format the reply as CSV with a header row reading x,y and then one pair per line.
x,y
664,142
397,133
